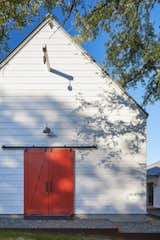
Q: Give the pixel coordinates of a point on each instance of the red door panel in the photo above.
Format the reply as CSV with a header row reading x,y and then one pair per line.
x,y
49,182
35,182
61,178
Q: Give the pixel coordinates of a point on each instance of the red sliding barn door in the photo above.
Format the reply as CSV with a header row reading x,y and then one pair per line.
x,y
35,182
48,182
61,181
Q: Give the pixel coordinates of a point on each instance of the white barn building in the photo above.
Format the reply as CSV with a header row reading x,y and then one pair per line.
x,y
73,141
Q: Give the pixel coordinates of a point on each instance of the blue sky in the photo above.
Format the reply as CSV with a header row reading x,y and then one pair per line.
x,y
97,50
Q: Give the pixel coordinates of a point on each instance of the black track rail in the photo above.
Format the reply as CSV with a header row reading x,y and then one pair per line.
x,y
49,147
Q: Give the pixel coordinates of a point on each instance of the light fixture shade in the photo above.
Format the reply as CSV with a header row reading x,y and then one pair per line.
x,y
47,130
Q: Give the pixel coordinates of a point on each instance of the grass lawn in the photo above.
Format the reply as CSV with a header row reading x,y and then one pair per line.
x,y
9,235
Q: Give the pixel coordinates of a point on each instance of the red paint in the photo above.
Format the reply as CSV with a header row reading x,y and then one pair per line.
x,y
35,176
48,182
61,175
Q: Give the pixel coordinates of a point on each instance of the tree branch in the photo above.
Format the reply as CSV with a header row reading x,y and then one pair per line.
x,y
73,4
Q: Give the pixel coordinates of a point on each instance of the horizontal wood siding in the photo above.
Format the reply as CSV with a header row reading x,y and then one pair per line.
x,y
108,180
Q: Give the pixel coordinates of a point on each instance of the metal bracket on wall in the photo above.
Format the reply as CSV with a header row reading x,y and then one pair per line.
x,y
44,147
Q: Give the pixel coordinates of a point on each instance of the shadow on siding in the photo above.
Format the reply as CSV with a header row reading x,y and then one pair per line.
x,y
100,172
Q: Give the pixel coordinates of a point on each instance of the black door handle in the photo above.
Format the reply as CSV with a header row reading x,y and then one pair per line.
x,y
46,185
51,186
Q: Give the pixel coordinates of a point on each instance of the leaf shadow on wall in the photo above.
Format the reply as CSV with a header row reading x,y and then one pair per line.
x,y
101,189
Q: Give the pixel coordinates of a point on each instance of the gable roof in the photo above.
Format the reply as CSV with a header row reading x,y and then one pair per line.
x,y
153,169
46,20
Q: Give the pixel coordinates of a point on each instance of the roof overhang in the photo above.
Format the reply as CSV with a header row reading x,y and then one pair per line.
x,y
46,20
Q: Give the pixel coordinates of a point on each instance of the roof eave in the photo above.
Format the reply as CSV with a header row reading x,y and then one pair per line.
x,y
25,40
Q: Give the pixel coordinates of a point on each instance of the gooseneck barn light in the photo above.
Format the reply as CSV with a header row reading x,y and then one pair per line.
x,y
55,71
49,132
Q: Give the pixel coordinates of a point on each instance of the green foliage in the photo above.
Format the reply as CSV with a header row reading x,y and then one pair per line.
x,y
132,44
10,235
15,14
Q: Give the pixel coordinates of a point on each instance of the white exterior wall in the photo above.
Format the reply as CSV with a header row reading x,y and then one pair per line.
x,y
156,194
111,179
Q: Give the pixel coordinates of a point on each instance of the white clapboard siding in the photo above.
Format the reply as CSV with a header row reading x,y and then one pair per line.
x,y
110,179
51,81
32,74
37,60
58,66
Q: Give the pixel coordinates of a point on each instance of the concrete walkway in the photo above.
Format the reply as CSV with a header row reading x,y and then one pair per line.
x,y
19,222
136,223
121,223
